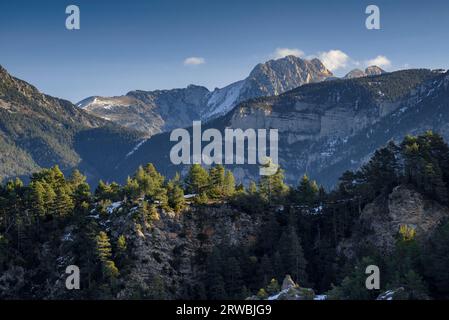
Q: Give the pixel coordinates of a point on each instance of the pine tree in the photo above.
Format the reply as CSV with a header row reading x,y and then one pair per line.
x,y
103,191
273,287
175,195
383,170
121,243
63,204
278,266
37,198
76,179
292,255
131,189
436,260
273,188
229,184
214,280
307,192
252,188
82,198
265,271
104,254
217,180
104,250
232,275
197,179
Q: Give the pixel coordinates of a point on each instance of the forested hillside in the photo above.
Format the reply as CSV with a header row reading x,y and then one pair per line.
x,y
39,131
206,237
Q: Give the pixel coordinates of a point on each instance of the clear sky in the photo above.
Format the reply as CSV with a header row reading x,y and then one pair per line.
x,y
161,44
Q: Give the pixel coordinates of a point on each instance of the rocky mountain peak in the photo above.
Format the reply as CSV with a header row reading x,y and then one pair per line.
x,y
369,71
374,71
292,68
267,79
2,70
355,73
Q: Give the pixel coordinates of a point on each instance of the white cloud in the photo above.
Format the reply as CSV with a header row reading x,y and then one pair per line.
x,y
380,61
334,59
283,52
194,61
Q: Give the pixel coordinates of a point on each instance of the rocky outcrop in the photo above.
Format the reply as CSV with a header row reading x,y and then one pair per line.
x,y
171,248
329,127
391,294
288,283
151,112
380,221
291,291
271,78
370,71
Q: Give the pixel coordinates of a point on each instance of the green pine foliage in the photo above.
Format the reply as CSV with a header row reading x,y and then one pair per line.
x,y
299,229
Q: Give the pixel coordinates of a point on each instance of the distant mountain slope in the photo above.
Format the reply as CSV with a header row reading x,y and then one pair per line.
x,y
38,131
157,111
150,112
329,127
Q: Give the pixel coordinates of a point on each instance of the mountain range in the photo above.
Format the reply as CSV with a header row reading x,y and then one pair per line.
x,y
158,111
325,127
328,127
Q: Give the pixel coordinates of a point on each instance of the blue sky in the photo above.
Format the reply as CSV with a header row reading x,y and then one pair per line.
x,y
128,45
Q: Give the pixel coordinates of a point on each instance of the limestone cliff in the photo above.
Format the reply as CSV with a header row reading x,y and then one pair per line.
x,y
380,221
173,247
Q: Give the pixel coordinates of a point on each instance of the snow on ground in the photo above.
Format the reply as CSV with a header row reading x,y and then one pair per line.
x,y
113,206
67,237
317,210
276,296
135,148
222,100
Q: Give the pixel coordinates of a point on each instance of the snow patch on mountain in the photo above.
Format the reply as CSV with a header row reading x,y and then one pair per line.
x,y
223,100
136,147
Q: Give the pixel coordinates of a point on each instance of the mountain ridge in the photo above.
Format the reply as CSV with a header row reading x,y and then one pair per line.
x,y
38,131
322,124
162,110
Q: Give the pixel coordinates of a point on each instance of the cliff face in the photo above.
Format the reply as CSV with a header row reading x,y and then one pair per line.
x,y
380,221
329,127
332,126
174,247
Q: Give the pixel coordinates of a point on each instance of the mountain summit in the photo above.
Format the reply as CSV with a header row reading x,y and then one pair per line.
x,y
266,79
370,71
